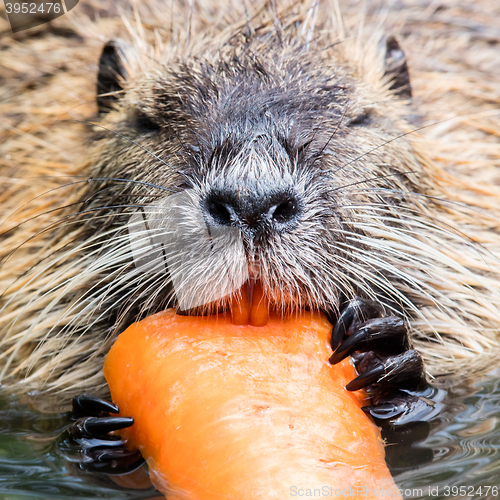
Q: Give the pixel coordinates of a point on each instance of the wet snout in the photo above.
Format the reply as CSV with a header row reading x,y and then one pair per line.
x,y
254,209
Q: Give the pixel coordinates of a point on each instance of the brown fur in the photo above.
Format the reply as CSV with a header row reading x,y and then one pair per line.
x,y
48,86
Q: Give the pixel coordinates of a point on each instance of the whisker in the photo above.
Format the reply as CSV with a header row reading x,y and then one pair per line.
x,y
70,216
161,160
389,141
372,179
336,128
80,202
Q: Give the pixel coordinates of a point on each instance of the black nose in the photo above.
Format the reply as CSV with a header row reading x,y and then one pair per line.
x,y
278,211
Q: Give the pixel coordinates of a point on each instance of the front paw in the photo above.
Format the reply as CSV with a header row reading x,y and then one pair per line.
x,y
90,444
402,402
387,366
380,345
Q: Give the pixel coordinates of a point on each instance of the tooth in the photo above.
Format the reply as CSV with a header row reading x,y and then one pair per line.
x,y
240,309
259,310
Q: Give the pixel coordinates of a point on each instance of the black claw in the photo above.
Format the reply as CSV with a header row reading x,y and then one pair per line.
x,y
99,426
341,327
92,406
368,377
398,404
401,400
356,311
383,411
111,462
406,370
108,454
345,348
385,335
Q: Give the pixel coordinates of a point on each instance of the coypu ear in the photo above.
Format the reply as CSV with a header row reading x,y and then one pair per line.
x,y
110,76
396,68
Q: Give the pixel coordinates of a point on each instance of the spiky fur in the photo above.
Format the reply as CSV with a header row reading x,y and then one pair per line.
x,y
391,212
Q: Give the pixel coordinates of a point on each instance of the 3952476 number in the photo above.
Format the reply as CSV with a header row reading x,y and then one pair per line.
x,y
472,491
33,8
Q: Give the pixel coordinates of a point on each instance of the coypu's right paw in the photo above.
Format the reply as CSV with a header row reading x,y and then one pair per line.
x,y
89,442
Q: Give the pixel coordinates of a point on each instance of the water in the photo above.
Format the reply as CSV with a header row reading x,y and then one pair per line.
x,y
465,440
466,444
31,467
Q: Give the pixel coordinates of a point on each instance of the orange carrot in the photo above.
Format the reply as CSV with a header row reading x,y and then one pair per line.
x,y
225,411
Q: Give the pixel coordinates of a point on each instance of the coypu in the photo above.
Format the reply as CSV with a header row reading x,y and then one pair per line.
x,y
321,124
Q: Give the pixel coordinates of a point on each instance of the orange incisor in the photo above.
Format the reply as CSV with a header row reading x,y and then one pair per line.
x,y
250,306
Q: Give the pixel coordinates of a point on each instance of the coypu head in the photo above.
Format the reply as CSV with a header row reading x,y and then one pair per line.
x,y
278,152
281,148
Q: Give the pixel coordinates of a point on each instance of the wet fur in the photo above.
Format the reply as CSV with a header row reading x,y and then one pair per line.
x,y
391,210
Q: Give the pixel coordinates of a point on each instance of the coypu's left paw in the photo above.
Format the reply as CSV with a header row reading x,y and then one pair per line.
x,y
380,347
90,444
402,402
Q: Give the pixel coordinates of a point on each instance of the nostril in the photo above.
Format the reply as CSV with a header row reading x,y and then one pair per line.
x,y
220,212
253,212
285,211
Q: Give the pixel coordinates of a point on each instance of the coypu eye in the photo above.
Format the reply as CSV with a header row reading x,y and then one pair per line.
x,y
144,123
285,211
362,119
